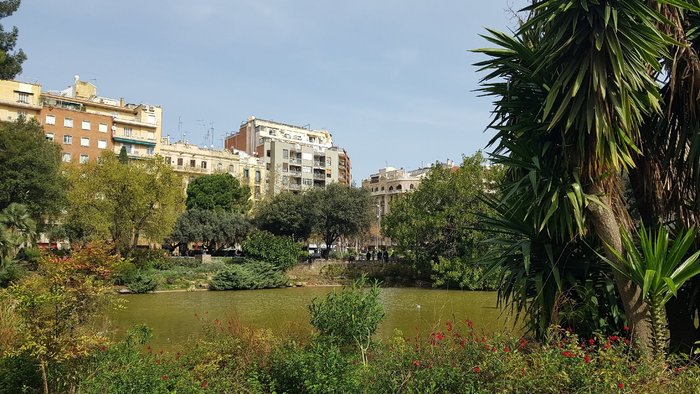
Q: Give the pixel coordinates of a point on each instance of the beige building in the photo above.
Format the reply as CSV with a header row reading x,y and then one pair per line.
x,y
192,161
296,158
19,98
137,127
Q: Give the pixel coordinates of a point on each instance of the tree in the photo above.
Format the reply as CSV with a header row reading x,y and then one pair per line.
x,y
122,202
286,214
17,228
440,218
218,191
58,304
574,89
216,229
123,155
339,211
10,61
350,316
30,169
282,252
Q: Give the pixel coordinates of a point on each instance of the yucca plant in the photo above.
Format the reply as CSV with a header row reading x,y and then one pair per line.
x,y
659,269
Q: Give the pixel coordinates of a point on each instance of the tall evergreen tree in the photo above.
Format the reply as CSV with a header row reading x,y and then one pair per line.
x,y
10,60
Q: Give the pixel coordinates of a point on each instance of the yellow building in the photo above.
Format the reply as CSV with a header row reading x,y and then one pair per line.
x,y
19,98
192,161
137,127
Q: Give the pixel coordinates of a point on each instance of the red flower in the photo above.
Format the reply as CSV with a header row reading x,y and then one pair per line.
x,y
620,386
449,326
476,369
164,377
586,359
506,349
523,342
177,356
439,336
626,341
607,345
416,363
591,342
204,384
568,354
470,323
625,328
461,343
614,338
493,349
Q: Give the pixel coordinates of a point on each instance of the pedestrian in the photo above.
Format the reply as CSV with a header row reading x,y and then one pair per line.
x,y
369,256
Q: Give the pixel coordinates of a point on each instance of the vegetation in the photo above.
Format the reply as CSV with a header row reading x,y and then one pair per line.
x,y
286,214
435,227
30,166
218,192
592,101
10,61
281,252
350,316
122,202
217,229
250,275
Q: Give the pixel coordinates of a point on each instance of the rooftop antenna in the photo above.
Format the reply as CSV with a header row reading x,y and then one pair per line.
x,y
179,127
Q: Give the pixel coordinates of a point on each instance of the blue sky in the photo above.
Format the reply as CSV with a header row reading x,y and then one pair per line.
x,y
392,80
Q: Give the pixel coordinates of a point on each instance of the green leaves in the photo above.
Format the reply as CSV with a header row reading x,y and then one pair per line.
x,y
661,267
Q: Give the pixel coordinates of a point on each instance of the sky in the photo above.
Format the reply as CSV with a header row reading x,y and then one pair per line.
x,y
393,81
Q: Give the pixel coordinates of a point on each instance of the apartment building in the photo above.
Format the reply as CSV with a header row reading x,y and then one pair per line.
x,y
296,158
389,183
83,136
192,161
19,98
137,127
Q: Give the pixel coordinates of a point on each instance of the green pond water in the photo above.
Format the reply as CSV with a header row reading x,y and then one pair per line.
x,y
175,317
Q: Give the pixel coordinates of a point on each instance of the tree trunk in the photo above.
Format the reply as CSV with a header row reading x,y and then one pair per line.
x,y
44,379
636,310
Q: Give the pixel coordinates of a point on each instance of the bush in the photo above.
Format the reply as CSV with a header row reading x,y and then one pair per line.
x,y
19,374
279,251
350,316
248,276
320,367
141,282
146,258
10,273
459,273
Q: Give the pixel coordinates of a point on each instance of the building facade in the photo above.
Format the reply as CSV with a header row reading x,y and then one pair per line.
x,y
192,161
136,127
83,136
296,158
19,98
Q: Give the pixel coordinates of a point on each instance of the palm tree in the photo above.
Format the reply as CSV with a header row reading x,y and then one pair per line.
x,y
574,88
17,228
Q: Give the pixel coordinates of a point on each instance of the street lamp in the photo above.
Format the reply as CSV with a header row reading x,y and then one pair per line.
x,y
379,224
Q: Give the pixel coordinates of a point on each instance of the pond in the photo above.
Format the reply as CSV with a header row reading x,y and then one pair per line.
x,y
176,316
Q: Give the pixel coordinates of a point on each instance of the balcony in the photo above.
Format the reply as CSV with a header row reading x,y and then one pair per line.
x,y
321,177
190,169
132,138
321,164
295,161
294,186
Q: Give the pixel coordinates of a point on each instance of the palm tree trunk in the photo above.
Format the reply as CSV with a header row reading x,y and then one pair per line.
x,y
636,310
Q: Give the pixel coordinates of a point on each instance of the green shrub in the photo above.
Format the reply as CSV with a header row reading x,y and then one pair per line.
x,y
320,367
459,273
11,272
350,316
141,282
19,374
248,276
280,251
146,258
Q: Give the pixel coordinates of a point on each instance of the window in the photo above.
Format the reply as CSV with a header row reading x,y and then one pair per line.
x,y
179,161
50,119
306,170
328,160
49,136
102,144
246,173
66,157
230,168
257,176
84,159
85,125
102,127
67,122
150,151
307,182
193,163
204,165
151,135
67,139
127,131
219,166
151,119
84,141
23,97
285,153
267,153
285,167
